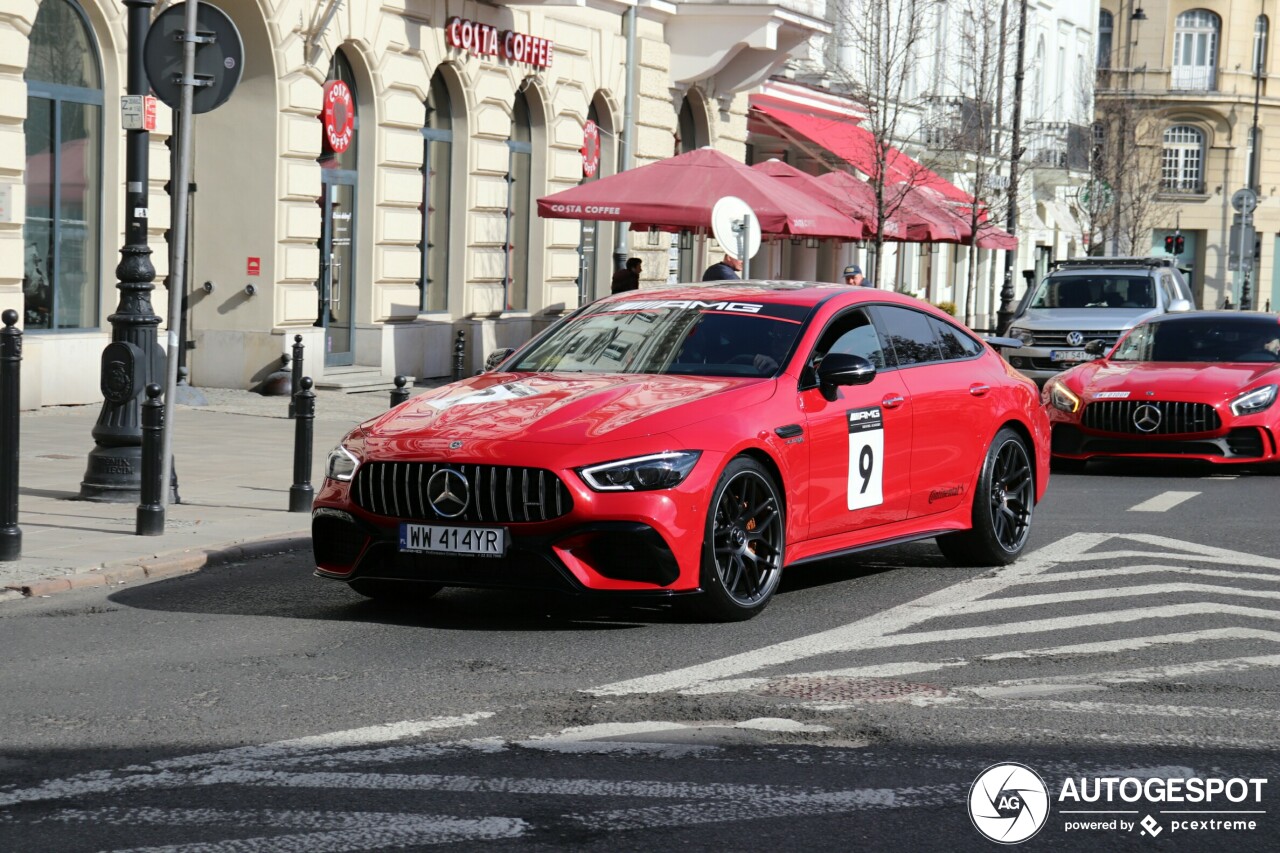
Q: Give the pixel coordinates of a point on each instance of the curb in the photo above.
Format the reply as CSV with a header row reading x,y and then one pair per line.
x,y
168,565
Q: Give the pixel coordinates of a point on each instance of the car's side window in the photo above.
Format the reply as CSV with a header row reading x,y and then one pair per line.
x,y
909,333
853,333
955,343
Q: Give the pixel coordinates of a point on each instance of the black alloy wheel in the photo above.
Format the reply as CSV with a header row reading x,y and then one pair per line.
x,y
745,542
1002,507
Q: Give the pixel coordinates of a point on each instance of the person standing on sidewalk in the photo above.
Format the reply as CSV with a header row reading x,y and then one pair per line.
x,y
853,276
627,278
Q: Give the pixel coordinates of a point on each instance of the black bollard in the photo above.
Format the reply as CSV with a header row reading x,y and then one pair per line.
x,y
400,393
297,373
10,385
459,354
150,515
301,493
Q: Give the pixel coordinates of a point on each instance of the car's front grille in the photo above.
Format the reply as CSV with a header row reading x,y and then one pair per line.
x,y
1150,417
499,494
1058,338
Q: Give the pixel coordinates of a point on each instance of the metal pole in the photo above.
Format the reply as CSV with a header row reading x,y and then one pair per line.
x,y
177,269
132,359
149,520
400,393
296,377
1005,313
10,387
459,355
301,493
626,147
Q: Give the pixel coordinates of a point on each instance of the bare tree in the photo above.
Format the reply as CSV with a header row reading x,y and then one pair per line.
x,y
879,45
1121,204
981,33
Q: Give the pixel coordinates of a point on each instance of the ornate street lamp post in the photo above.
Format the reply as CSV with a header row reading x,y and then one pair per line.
x,y
133,359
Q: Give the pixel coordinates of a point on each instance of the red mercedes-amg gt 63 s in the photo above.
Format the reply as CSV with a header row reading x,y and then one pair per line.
x,y
1185,386
693,441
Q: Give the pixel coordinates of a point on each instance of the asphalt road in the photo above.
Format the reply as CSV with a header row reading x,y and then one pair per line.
x,y
251,707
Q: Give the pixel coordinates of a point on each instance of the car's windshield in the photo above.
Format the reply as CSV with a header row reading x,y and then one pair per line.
x,y
1246,339
675,336
1108,290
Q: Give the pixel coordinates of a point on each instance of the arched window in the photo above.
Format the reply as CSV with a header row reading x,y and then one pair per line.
x,y
1195,50
1105,25
519,204
339,223
1182,163
62,229
1260,31
437,169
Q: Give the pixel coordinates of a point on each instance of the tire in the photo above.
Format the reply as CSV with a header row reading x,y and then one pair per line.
x,y
1002,507
395,592
1069,466
743,545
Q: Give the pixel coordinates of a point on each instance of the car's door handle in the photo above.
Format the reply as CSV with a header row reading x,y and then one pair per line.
x,y
892,401
978,390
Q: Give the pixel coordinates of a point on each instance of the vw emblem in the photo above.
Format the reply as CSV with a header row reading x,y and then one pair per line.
x,y
1075,339
1147,418
448,492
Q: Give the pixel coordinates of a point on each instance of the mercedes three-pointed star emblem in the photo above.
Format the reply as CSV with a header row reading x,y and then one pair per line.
x,y
448,492
1147,418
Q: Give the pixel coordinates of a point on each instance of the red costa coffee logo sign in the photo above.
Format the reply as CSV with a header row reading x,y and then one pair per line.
x,y
339,116
485,40
590,148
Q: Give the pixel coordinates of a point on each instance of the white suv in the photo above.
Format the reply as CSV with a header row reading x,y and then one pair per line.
x,y
1088,299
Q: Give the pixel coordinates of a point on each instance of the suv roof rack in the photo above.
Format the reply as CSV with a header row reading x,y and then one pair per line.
x,y
1072,263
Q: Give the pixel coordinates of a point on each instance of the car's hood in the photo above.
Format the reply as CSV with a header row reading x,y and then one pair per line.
x,y
1083,319
562,408
1192,381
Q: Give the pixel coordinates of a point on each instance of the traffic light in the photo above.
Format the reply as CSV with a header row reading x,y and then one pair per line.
x,y
1179,243
1168,243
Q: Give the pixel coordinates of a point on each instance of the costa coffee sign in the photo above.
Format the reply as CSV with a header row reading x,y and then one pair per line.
x,y
485,40
339,116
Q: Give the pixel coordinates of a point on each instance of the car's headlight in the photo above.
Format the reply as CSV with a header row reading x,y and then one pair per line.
x,y
1252,402
1023,335
641,473
341,464
1061,397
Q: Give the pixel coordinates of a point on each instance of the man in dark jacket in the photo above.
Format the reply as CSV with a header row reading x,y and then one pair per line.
x,y
627,278
726,270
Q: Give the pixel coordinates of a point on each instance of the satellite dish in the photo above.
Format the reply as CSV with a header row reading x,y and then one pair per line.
x,y
735,227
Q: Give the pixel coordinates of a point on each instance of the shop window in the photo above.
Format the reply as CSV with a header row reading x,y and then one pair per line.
x,y
437,209
62,229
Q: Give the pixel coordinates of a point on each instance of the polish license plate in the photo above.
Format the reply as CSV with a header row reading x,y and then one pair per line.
x,y
439,539
1069,355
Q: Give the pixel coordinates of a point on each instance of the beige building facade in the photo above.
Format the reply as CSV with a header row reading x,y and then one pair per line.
x,y
1196,78
371,183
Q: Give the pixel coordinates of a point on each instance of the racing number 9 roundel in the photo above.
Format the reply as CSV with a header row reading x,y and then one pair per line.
x,y
866,458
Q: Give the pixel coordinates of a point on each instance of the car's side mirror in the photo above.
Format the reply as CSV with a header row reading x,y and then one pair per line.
x,y
1179,305
842,368
1098,347
1002,343
497,357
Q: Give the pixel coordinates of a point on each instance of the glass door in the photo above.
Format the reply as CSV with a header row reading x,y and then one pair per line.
x,y
337,266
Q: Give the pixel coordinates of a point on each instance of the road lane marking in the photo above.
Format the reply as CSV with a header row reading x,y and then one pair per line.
x,y
1123,709
1071,681
1163,502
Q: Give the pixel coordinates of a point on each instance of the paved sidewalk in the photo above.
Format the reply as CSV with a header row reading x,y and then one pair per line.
x,y
234,459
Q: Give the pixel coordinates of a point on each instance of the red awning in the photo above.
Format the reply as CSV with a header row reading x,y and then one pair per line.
x,y
905,224
947,226
863,217
679,192
857,146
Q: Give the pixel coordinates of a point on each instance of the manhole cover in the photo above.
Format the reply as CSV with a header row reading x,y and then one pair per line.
x,y
841,689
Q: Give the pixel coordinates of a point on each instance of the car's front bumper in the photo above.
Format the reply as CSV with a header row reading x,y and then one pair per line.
x,y
1037,362
1230,445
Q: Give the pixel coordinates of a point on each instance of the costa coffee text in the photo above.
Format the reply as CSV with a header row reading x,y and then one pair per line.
x,y
505,44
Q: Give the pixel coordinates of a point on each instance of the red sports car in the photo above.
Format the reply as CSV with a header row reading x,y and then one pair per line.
x,y
695,439
1190,386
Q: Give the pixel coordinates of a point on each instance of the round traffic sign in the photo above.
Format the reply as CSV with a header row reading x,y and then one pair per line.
x,y
1244,200
219,61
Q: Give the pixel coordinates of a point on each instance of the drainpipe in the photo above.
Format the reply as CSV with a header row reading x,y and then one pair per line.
x,y
626,154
